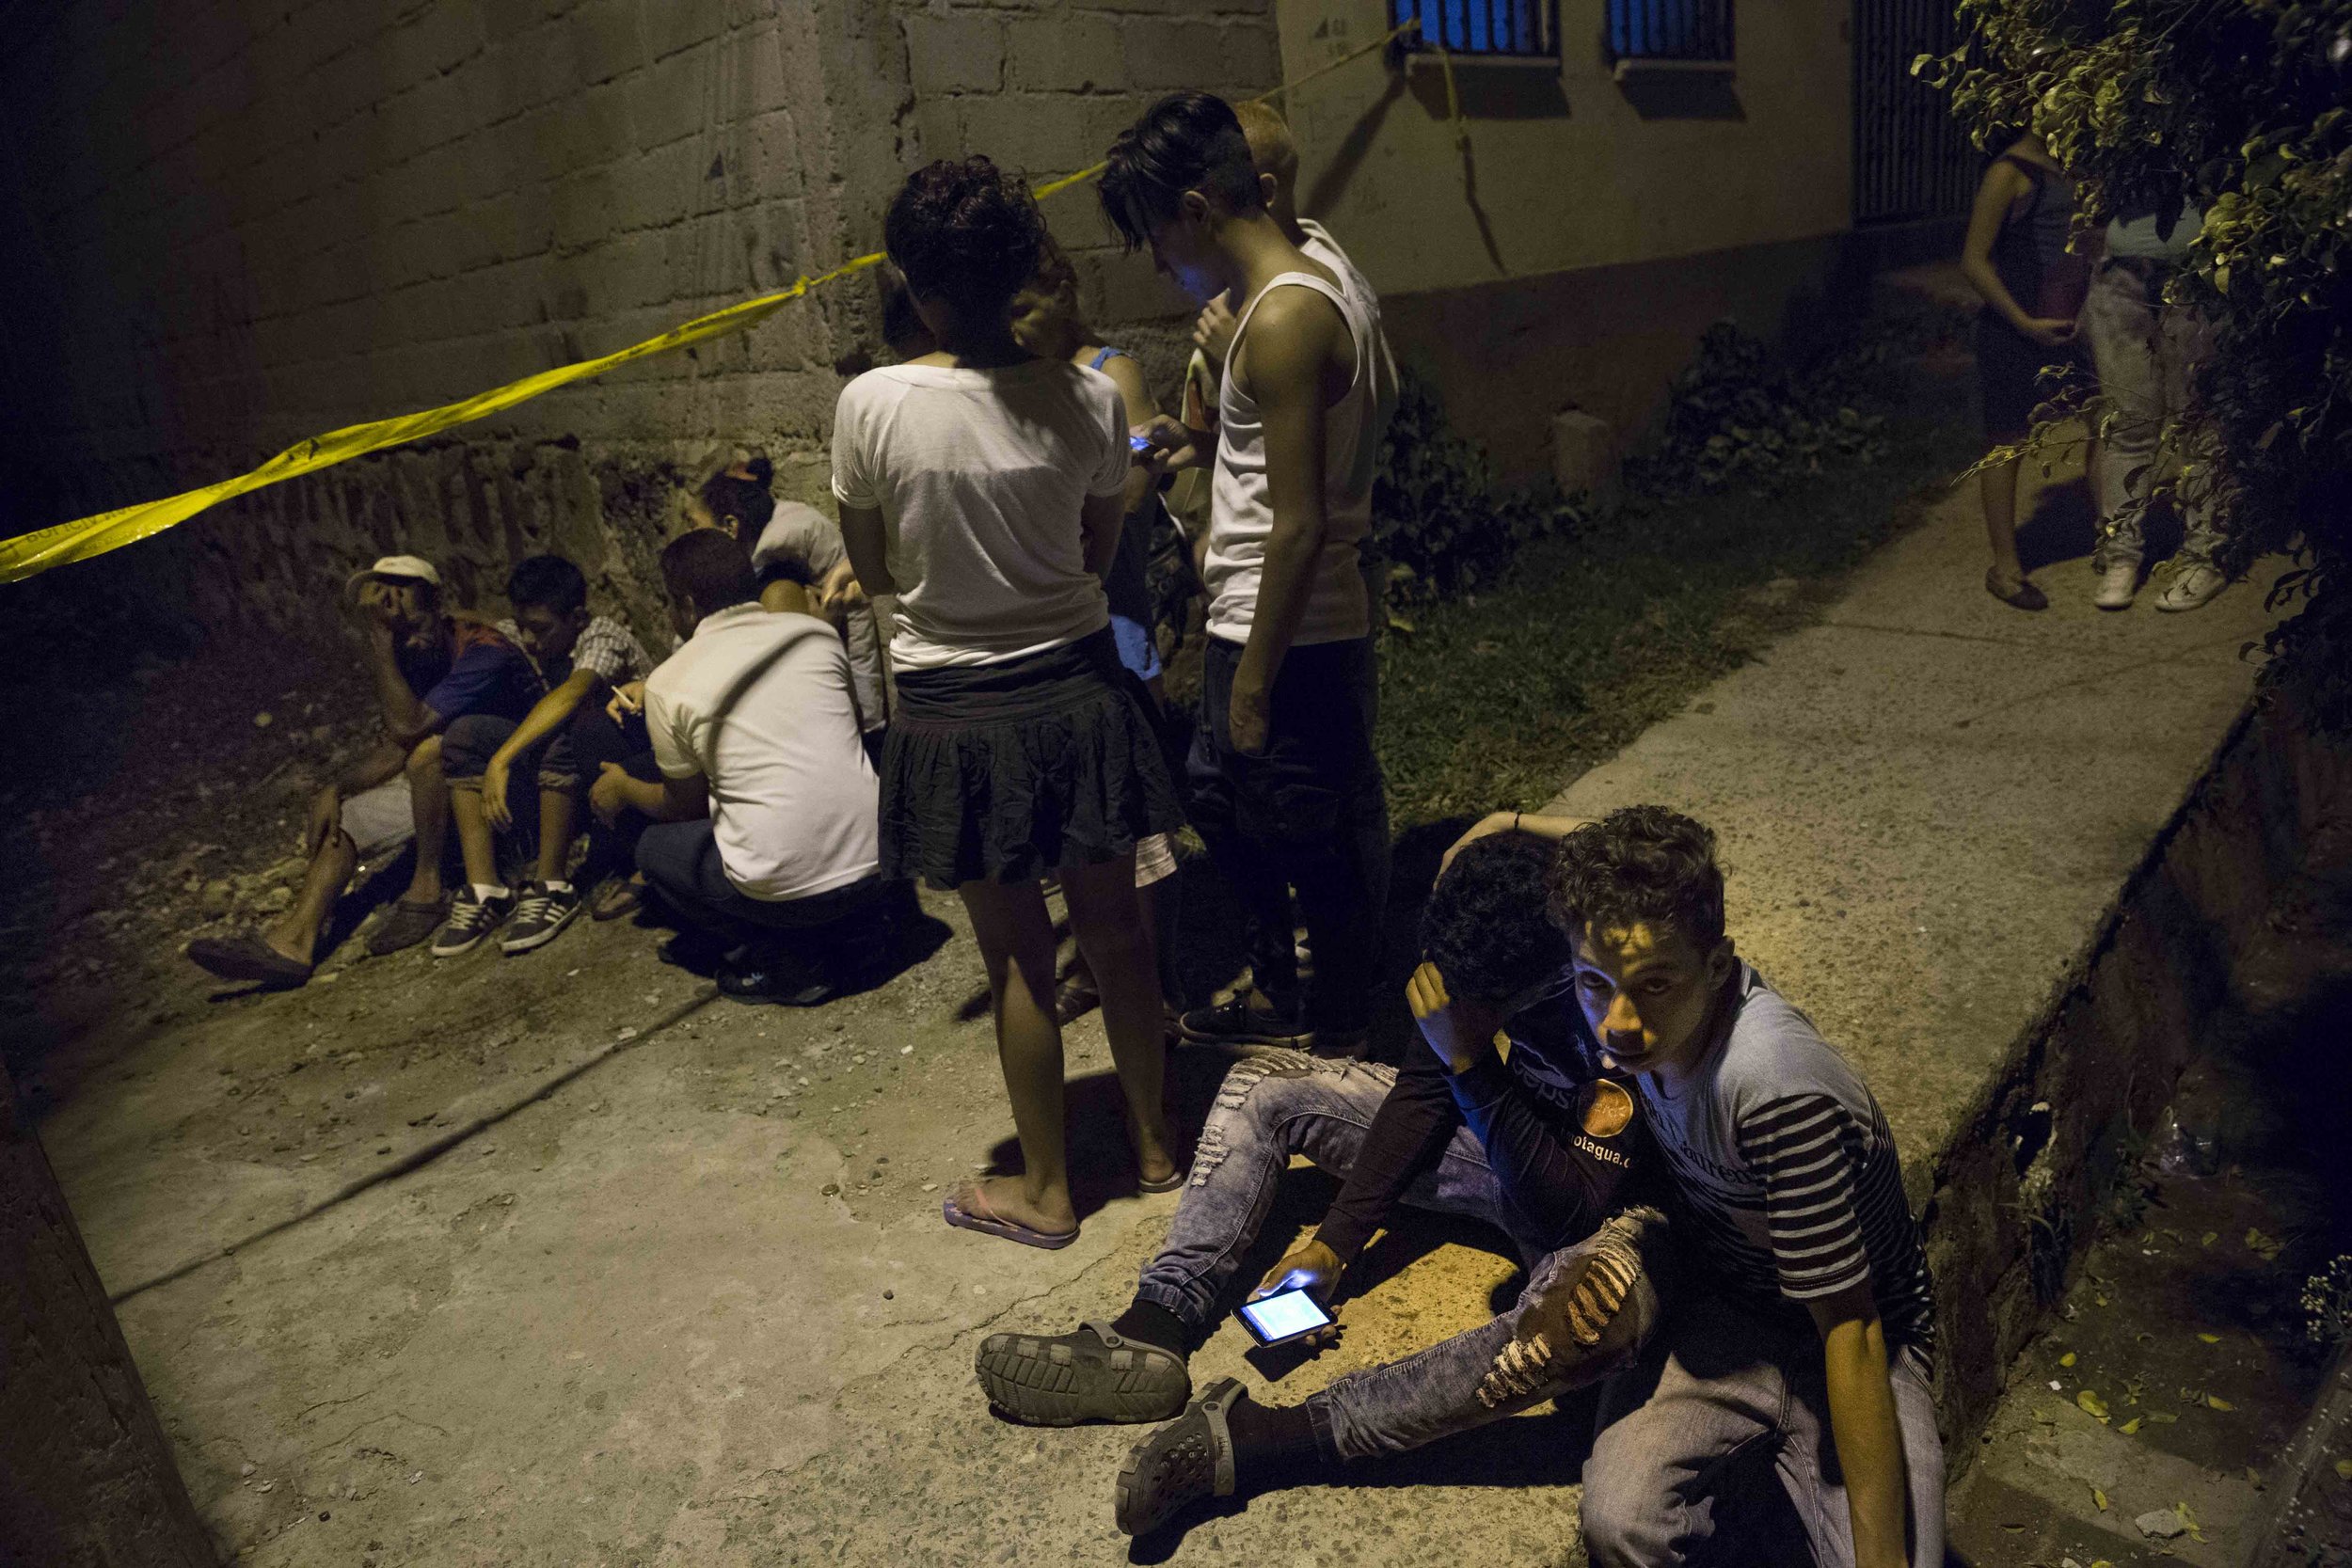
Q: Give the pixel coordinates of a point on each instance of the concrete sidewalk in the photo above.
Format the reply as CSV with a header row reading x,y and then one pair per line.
x,y
696,1304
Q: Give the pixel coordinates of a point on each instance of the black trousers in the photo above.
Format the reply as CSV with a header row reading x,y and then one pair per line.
x,y
596,741
1300,817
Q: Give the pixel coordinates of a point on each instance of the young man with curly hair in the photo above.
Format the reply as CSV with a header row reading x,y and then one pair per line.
x,y
1804,1327
1533,1138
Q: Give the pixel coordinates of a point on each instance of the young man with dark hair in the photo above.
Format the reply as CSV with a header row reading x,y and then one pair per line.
x,y
1811,1331
431,667
1536,1142
579,659
764,833
1282,760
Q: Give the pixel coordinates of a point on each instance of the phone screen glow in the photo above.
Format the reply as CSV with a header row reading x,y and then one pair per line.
x,y
1285,1313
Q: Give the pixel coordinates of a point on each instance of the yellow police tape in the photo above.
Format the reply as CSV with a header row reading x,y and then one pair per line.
x,y
30,554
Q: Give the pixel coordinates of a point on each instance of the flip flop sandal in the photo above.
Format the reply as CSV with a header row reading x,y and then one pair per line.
x,y
1094,1374
1075,998
614,897
1169,1185
2025,596
1187,1460
966,1210
405,924
246,956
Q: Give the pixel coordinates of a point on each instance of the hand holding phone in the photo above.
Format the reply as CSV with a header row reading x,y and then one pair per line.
x,y
1311,1269
1286,1316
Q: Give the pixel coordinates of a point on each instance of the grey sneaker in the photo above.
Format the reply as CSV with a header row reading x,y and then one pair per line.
x,y
2195,586
540,913
2119,579
471,919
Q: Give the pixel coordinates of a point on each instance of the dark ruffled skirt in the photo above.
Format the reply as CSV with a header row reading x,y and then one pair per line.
x,y
1006,772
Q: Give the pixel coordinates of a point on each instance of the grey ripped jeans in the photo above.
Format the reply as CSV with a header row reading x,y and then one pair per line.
x,y
1286,1102
1721,1383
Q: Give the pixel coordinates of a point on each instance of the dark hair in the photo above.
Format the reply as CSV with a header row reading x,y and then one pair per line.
x,y
1485,924
785,565
1187,141
1640,862
901,326
710,569
746,500
966,230
548,582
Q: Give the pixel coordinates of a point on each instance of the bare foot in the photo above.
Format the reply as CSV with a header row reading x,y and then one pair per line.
x,y
296,933
1153,1163
1004,1197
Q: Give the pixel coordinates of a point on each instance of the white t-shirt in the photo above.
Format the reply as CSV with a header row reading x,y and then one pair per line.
x,y
1241,513
758,704
979,476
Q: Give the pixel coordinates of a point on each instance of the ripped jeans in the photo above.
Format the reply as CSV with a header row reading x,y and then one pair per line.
x,y
1286,1102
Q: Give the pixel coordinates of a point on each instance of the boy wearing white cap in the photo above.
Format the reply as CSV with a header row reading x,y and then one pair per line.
x,y
430,666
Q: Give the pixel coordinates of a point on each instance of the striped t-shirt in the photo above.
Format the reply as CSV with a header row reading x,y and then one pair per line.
x,y
1784,1171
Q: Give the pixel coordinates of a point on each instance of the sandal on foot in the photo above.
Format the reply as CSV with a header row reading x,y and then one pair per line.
x,y
614,897
1174,1181
246,956
2022,594
1074,998
967,1210
1187,1460
405,924
1093,1374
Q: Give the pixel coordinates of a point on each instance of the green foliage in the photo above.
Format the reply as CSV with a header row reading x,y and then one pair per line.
x,y
1738,417
2239,107
1440,519
2327,1304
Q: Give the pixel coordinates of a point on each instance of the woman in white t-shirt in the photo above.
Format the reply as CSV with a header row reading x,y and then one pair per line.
x,y
981,485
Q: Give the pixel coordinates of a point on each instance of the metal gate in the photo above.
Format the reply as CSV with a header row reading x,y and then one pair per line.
x,y
1911,158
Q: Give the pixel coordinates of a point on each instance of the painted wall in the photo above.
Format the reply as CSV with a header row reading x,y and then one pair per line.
x,y
1629,216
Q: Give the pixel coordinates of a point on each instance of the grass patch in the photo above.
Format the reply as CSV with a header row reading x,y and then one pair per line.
x,y
1499,698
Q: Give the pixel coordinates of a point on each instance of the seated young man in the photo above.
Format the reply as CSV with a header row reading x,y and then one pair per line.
x,y
431,667
1808,1327
1536,1141
764,832
579,658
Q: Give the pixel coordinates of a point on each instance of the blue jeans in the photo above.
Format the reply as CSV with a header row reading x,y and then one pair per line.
x,y
1721,1383
1287,1102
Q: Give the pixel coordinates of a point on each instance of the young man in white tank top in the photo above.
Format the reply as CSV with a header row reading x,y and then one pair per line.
x,y
1283,756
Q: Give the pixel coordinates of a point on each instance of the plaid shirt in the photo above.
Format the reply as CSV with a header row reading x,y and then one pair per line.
x,y
605,647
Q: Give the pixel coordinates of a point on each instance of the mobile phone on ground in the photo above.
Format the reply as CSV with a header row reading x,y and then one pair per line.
x,y
1285,1316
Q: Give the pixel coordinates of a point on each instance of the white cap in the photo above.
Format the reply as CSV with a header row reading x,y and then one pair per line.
x,y
413,568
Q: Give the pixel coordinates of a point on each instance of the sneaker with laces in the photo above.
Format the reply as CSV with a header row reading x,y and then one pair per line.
x,y
1247,1019
2193,588
472,917
540,913
2119,579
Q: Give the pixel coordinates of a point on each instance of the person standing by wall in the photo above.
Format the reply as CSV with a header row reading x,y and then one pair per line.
x,y
2016,256
984,487
2147,355
1283,755
1046,319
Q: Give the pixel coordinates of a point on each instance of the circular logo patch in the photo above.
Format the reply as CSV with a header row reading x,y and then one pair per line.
x,y
1608,1108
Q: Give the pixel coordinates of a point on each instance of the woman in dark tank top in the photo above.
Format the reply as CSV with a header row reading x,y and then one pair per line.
x,y
2016,256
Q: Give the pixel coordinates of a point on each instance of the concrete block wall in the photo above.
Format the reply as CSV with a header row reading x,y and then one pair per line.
x,y
226,226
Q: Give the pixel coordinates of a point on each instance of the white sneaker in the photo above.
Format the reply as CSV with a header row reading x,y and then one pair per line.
x,y
2193,586
2119,579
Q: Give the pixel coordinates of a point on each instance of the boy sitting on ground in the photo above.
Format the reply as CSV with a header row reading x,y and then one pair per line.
x,y
578,657
1811,1333
1536,1142
431,667
765,834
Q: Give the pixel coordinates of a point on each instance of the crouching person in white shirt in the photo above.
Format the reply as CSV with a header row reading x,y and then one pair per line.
x,y
765,837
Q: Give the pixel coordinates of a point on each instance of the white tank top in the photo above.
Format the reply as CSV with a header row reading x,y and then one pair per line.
x,y
1241,518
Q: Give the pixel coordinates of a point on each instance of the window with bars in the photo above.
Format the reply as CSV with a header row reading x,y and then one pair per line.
x,y
1509,29
1693,30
